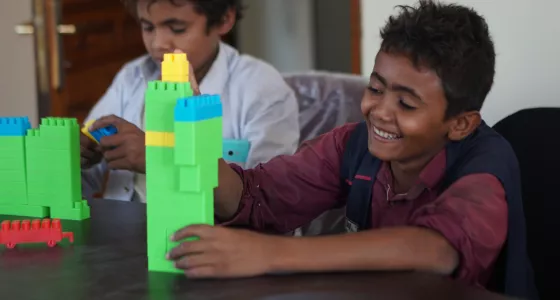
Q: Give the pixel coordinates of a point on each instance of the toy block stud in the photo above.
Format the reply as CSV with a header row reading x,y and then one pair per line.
x,y
175,68
198,108
14,126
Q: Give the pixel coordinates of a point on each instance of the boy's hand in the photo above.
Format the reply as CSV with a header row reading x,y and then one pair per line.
x,y
125,150
222,252
90,152
192,78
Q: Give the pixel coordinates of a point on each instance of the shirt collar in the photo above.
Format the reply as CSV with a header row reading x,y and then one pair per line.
x,y
429,177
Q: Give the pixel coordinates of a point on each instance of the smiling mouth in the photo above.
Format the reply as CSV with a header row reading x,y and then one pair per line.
x,y
384,135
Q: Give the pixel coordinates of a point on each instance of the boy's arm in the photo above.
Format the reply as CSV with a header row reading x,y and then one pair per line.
x,y
286,192
109,103
462,233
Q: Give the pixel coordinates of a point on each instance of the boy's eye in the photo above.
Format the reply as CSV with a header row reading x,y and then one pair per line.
x,y
177,30
148,28
374,90
406,106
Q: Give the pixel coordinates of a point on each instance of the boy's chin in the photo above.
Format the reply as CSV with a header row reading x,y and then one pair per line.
x,y
384,151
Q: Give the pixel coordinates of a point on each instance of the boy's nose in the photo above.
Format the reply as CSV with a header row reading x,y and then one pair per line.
x,y
382,111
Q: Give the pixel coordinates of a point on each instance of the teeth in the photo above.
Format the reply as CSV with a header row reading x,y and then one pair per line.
x,y
384,134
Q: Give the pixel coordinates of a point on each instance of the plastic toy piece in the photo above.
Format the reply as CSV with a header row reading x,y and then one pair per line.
x,y
36,231
43,176
236,151
96,135
197,108
161,139
175,68
180,175
14,126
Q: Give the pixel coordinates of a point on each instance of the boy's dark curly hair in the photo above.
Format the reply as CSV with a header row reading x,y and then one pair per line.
x,y
214,10
453,41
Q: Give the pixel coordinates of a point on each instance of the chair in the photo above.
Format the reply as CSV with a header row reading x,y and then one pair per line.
x,y
326,100
534,135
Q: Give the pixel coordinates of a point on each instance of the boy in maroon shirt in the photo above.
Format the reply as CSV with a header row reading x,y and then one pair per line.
x,y
430,79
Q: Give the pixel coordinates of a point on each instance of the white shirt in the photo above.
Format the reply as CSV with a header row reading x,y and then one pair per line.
x,y
257,104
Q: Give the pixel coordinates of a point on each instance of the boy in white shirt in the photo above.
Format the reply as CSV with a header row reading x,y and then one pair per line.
x,y
258,106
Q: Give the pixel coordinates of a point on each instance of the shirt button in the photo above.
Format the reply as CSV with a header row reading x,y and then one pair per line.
x,y
258,186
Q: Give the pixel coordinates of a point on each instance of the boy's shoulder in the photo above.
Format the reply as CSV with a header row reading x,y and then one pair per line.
x,y
137,69
246,70
484,151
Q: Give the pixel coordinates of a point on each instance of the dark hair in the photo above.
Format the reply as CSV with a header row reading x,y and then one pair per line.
x,y
453,41
214,10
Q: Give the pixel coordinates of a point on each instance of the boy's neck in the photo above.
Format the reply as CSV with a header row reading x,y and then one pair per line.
x,y
201,72
405,174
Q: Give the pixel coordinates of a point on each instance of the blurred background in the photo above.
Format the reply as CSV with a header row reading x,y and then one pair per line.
x,y
58,56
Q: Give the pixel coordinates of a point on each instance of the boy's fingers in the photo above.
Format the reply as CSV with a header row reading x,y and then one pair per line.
x,y
111,141
192,80
114,154
188,248
106,121
191,231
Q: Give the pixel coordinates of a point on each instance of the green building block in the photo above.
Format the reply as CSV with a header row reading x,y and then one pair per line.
x,y
161,98
13,189
180,179
53,169
45,171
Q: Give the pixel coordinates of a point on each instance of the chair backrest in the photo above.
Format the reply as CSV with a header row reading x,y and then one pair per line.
x,y
326,100
534,135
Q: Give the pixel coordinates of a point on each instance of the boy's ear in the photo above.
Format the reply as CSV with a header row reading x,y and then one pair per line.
x,y
463,125
228,21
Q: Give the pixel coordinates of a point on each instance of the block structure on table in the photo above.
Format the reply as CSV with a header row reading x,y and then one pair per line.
x,y
183,145
40,169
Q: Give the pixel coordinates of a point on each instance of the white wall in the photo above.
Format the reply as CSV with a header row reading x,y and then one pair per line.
x,y
280,32
18,95
527,40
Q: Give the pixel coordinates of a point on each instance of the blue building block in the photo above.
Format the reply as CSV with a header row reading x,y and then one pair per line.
x,y
236,151
106,131
198,108
14,126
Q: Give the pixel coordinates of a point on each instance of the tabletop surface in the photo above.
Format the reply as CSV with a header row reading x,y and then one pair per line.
x,y
108,261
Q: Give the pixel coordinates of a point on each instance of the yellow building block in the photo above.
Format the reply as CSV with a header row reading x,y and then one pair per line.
x,y
160,139
175,68
85,130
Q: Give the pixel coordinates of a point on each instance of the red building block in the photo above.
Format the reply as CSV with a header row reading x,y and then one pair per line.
x,y
36,231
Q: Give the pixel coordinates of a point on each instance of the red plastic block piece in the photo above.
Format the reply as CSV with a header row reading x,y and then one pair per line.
x,y
36,231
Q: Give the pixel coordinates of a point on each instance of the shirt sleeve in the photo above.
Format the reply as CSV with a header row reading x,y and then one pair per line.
x,y
271,118
472,215
290,191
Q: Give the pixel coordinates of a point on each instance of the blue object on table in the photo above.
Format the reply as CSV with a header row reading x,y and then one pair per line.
x,y
235,151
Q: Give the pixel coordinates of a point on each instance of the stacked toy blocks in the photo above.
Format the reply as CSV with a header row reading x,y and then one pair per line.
x,y
183,145
43,178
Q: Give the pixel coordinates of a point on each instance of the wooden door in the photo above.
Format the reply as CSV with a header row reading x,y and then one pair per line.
x,y
85,43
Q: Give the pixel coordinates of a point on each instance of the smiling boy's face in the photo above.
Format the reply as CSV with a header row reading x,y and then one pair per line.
x,y
404,108
168,26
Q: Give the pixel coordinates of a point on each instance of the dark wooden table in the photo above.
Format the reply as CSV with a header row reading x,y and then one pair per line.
x,y
108,261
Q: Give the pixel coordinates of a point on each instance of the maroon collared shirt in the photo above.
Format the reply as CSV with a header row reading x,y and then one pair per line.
x,y
290,191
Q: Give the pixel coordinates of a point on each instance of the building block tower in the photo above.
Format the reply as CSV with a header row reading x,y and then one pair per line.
x,y
40,169
183,145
